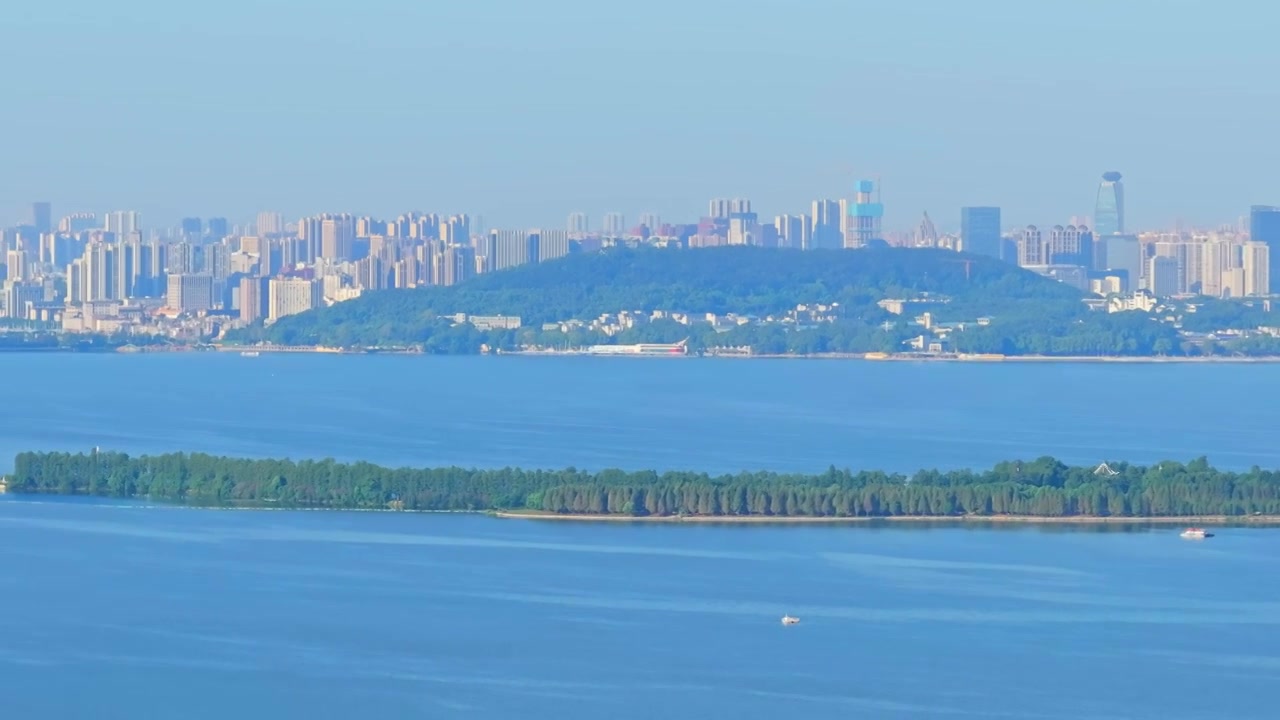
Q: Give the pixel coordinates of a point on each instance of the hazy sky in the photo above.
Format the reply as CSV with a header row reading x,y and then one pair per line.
x,y
522,111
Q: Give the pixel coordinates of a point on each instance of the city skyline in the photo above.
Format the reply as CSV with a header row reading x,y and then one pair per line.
x,y
536,111
1109,203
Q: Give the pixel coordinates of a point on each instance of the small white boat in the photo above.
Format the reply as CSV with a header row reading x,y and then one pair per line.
x,y
249,353
788,620
1196,534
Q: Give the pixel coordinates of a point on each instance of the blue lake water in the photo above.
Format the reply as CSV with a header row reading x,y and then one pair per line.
x,y
116,610
713,415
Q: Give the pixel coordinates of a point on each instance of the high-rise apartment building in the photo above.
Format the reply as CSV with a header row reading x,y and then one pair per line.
x,y
552,244
487,251
18,296
1256,261
456,230
1217,265
615,224
290,296
16,265
793,231
98,268
723,208
1070,245
1162,276
270,223
189,293
651,222
1031,247
578,224
337,237
42,217
254,294
123,222
744,229
371,274
1124,253
980,231
1108,214
458,263
826,230
192,228
513,248
1177,251
218,228
77,223
864,217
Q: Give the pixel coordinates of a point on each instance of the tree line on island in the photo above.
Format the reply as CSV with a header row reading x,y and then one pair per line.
x,y
1042,488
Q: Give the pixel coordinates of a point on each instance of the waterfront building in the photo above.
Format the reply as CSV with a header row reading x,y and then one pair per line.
x,y
290,296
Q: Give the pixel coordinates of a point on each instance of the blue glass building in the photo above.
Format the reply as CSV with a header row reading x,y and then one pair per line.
x,y
1108,214
1264,227
980,231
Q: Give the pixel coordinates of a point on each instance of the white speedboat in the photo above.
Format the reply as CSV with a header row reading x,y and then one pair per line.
x,y
788,620
1196,534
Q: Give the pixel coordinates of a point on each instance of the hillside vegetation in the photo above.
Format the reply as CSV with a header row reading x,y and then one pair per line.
x,y
742,280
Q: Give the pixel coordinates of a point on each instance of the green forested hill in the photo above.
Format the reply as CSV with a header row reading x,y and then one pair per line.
x,y
742,280
1044,487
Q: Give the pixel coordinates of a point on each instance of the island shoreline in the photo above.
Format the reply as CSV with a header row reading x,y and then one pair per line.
x,y
956,520
864,357
907,519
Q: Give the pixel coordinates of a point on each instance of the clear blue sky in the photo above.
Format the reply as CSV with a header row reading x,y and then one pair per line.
x,y
524,111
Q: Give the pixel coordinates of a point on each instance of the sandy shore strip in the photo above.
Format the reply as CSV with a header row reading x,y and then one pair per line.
x,y
952,519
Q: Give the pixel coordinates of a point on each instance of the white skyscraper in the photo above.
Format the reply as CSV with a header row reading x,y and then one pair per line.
x,y
290,296
1257,274
826,230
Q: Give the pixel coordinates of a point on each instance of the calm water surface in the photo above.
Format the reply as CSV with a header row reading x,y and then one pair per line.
x,y
713,415
116,610
126,612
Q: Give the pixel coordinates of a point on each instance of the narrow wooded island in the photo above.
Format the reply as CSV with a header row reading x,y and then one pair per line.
x,y
1043,488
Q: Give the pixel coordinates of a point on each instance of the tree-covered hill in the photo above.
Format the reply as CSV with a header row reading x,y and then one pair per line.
x,y
742,280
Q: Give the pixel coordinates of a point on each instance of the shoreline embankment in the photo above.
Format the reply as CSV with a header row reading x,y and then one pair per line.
x,y
948,519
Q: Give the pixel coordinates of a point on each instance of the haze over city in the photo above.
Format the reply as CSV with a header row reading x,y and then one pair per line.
x,y
522,113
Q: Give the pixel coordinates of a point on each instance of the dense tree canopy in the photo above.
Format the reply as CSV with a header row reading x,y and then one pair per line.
x,y
1044,487
742,280
1026,314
